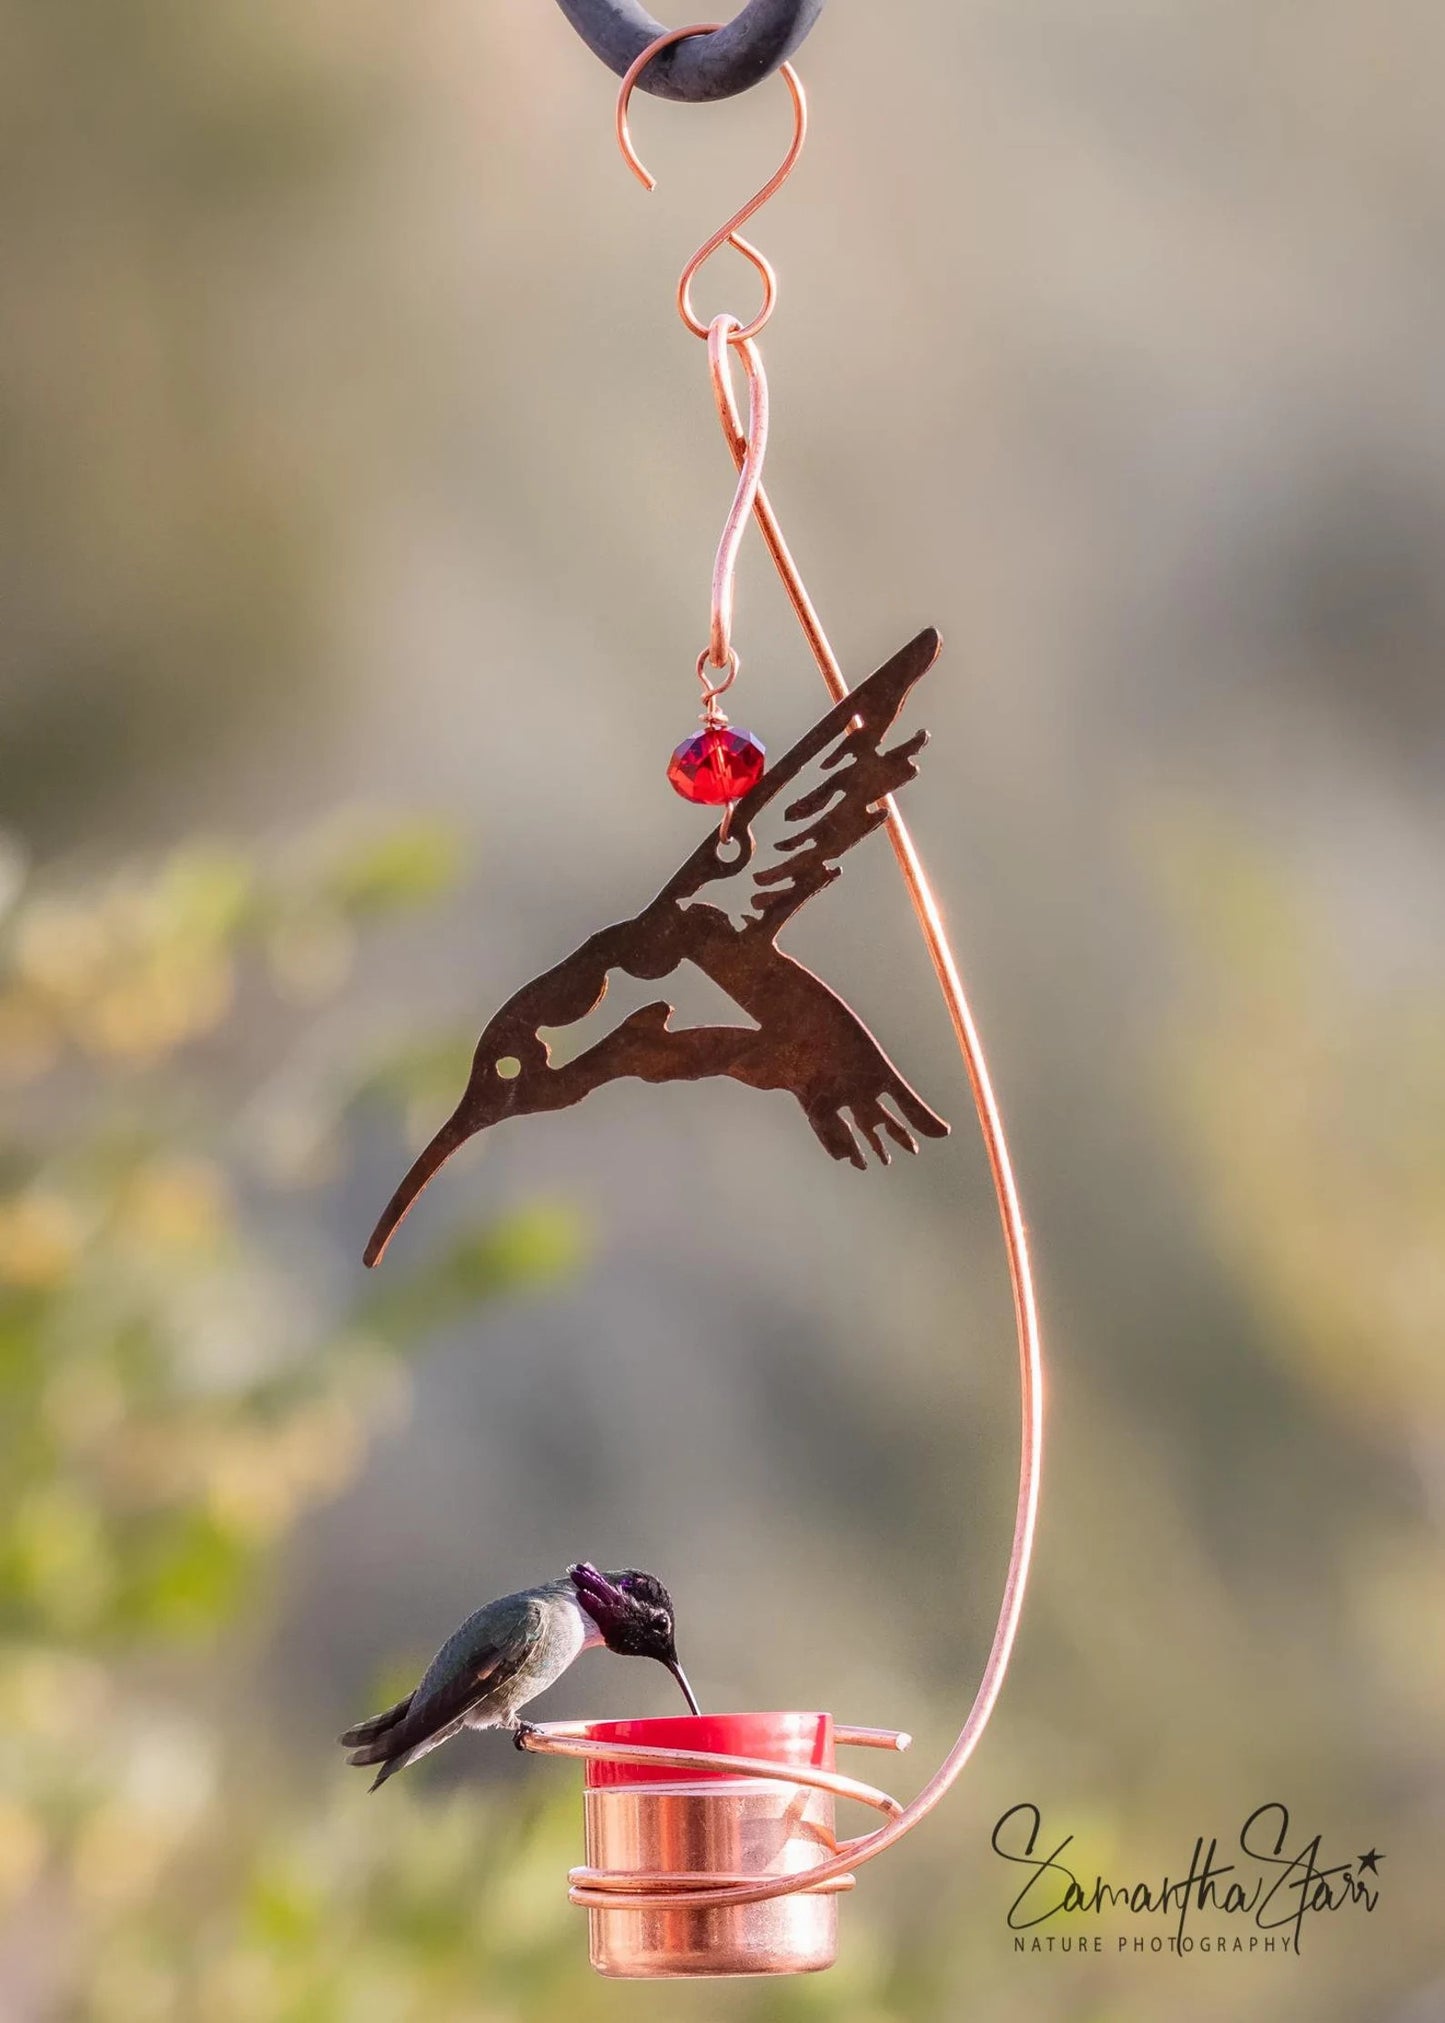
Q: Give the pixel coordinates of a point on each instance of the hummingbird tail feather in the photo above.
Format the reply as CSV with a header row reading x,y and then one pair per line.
x,y
377,1724
421,1729
385,1753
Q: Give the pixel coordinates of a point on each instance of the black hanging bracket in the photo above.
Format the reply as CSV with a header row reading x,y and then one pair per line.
x,y
729,60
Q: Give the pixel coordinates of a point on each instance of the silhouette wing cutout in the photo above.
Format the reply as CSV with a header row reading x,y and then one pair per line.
x,y
825,822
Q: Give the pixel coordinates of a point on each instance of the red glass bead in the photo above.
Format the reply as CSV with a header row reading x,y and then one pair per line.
x,y
717,765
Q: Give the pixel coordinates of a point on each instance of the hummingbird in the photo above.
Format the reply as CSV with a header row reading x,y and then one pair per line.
x,y
800,1037
515,1648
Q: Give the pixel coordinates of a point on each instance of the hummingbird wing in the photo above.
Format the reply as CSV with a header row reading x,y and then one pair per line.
x,y
474,1667
821,824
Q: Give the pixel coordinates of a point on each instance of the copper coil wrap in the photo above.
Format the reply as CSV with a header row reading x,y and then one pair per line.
x,y
611,1890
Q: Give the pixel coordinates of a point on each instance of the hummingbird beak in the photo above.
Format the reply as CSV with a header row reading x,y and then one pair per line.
x,y
678,1673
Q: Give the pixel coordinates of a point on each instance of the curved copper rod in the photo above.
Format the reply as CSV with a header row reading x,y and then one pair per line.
x,y
727,234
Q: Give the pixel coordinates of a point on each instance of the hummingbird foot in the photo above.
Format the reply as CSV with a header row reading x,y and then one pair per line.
x,y
522,1731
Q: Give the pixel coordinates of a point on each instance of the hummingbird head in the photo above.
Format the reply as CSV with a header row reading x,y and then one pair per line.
x,y
506,1068
633,1610
510,1074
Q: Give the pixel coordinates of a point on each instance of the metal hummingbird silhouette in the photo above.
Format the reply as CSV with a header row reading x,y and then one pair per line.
x,y
803,1039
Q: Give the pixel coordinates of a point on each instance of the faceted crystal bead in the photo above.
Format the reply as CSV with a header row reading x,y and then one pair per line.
x,y
717,765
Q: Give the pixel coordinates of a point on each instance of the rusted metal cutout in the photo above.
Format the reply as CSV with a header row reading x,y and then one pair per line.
x,y
803,1038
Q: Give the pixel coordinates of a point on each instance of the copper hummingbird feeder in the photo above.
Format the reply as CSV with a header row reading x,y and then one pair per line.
x,y
711,1845
677,1808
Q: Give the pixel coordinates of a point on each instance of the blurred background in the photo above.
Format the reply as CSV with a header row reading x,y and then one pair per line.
x,y
359,495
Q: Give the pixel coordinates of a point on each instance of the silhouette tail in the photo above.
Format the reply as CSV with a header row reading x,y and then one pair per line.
x,y
916,1111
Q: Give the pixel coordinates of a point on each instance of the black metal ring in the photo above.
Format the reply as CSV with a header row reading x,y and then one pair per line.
x,y
704,67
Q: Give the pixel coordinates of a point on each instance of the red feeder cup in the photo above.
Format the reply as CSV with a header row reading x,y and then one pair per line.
x,y
663,1829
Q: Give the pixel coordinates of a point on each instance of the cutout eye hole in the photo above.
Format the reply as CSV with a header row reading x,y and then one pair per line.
x,y
509,1067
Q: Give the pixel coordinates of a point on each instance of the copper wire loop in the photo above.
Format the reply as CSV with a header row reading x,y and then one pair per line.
x,y
597,1889
711,714
727,234
707,1891
611,1889
562,1738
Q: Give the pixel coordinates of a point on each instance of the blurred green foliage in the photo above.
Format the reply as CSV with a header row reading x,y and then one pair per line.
x,y
176,1396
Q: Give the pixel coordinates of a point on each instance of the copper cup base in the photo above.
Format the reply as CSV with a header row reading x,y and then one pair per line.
x,y
718,1832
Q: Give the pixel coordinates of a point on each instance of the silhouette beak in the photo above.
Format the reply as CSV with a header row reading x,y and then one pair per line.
x,y
681,1677
488,1098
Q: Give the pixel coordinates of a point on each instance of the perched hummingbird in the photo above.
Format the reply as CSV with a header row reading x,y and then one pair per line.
x,y
512,1650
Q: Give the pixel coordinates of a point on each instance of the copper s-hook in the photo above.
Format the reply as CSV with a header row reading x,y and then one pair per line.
x,y
717,664
719,659
727,234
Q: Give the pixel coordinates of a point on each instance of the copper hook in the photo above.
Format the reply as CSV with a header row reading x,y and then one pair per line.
x,y
727,234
